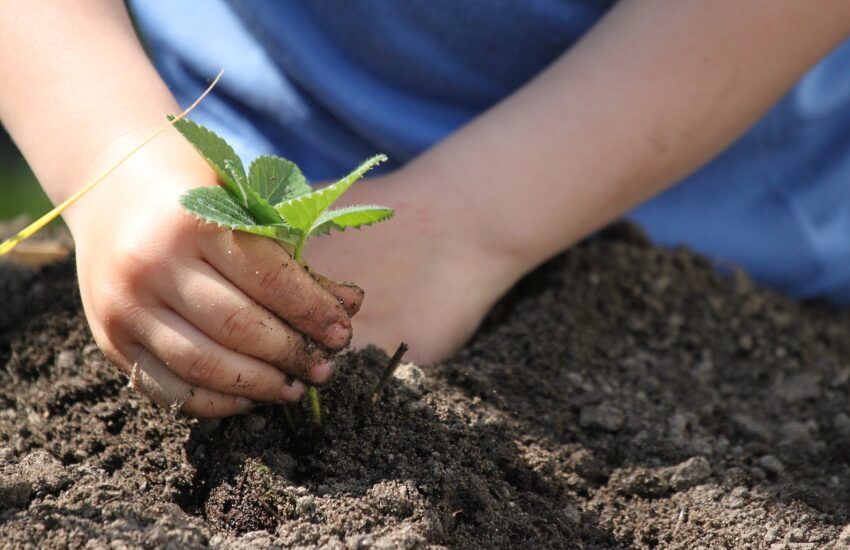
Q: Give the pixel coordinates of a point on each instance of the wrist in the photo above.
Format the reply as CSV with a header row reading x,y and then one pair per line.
x,y
155,175
471,232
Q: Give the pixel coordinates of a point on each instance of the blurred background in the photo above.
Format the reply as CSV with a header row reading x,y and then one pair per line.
x,y
19,191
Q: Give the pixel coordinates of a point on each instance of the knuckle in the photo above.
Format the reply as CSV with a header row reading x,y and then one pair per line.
x,y
194,406
135,267
120,316
200,229
316,312
275,283
200,367
114,315
238,327
291,353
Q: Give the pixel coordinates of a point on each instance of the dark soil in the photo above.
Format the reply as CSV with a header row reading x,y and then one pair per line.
x,y
621,396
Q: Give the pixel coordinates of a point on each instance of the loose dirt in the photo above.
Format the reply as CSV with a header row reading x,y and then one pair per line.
x,y
620,396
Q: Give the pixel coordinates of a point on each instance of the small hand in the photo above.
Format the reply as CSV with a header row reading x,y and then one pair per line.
x,y
431,273
202,318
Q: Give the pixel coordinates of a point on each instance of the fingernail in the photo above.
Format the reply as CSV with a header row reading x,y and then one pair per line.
x,y
244,404
293,392
321,372
337,336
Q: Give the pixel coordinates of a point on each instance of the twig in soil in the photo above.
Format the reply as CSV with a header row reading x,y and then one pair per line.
x,y
395,361
682,514
134,377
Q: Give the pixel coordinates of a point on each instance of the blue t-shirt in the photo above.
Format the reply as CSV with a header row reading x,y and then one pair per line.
x,y
329,82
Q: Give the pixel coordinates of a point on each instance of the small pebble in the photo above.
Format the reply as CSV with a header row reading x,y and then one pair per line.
x,y
771,464
305,505
795,433
799,388
412,377
65,359
15,491
601,417
690,473
6,454
43,471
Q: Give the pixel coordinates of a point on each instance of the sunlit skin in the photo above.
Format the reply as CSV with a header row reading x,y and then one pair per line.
x,y
654,91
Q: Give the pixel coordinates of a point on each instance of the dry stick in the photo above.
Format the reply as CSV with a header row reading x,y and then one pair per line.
x,y
7,245
395,361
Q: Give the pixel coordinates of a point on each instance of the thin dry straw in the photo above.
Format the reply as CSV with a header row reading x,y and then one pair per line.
x,y
7,245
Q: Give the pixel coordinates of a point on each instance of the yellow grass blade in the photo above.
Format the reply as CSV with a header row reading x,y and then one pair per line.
x,y
7,245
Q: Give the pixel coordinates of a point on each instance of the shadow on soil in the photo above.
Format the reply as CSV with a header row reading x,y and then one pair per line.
x,y
619,396
423,466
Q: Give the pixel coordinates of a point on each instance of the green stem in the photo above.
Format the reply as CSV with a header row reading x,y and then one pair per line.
x,y
313,394
288,415
299,248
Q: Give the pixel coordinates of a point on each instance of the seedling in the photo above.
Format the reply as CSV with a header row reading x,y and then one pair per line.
x,y
274,200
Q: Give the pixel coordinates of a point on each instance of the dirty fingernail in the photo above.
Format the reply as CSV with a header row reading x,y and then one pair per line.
x,y
321,372
244,403
337,336
293,392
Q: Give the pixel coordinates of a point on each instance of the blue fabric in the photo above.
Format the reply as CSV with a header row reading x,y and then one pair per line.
x,y
330,82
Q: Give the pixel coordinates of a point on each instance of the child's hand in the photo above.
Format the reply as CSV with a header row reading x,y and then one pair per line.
x,y
431,274
201,317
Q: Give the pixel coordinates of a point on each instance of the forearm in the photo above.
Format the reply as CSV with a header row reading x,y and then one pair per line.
x,y
75,79
654,91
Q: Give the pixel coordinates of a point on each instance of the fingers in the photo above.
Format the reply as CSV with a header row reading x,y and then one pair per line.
x,y
266,273
207,300
349,294
152,378
202,362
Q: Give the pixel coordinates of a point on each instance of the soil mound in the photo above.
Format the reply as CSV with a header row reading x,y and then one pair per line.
x,y
620,396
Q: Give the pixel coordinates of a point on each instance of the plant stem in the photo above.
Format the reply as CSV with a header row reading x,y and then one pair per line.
x,y
298,249
312,392
313,395
395,361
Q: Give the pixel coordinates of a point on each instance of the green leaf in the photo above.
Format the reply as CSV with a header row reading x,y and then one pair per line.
x,y
228,167
216,152
218,206
257,205
351,216
277,179
302,213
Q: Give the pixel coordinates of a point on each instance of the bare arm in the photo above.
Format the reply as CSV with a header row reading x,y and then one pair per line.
x,y
75,79
654,91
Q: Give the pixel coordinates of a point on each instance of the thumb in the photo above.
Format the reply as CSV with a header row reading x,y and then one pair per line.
x,y
349,294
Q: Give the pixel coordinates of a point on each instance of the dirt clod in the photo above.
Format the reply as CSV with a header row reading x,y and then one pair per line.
x,y
689,473
605,417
